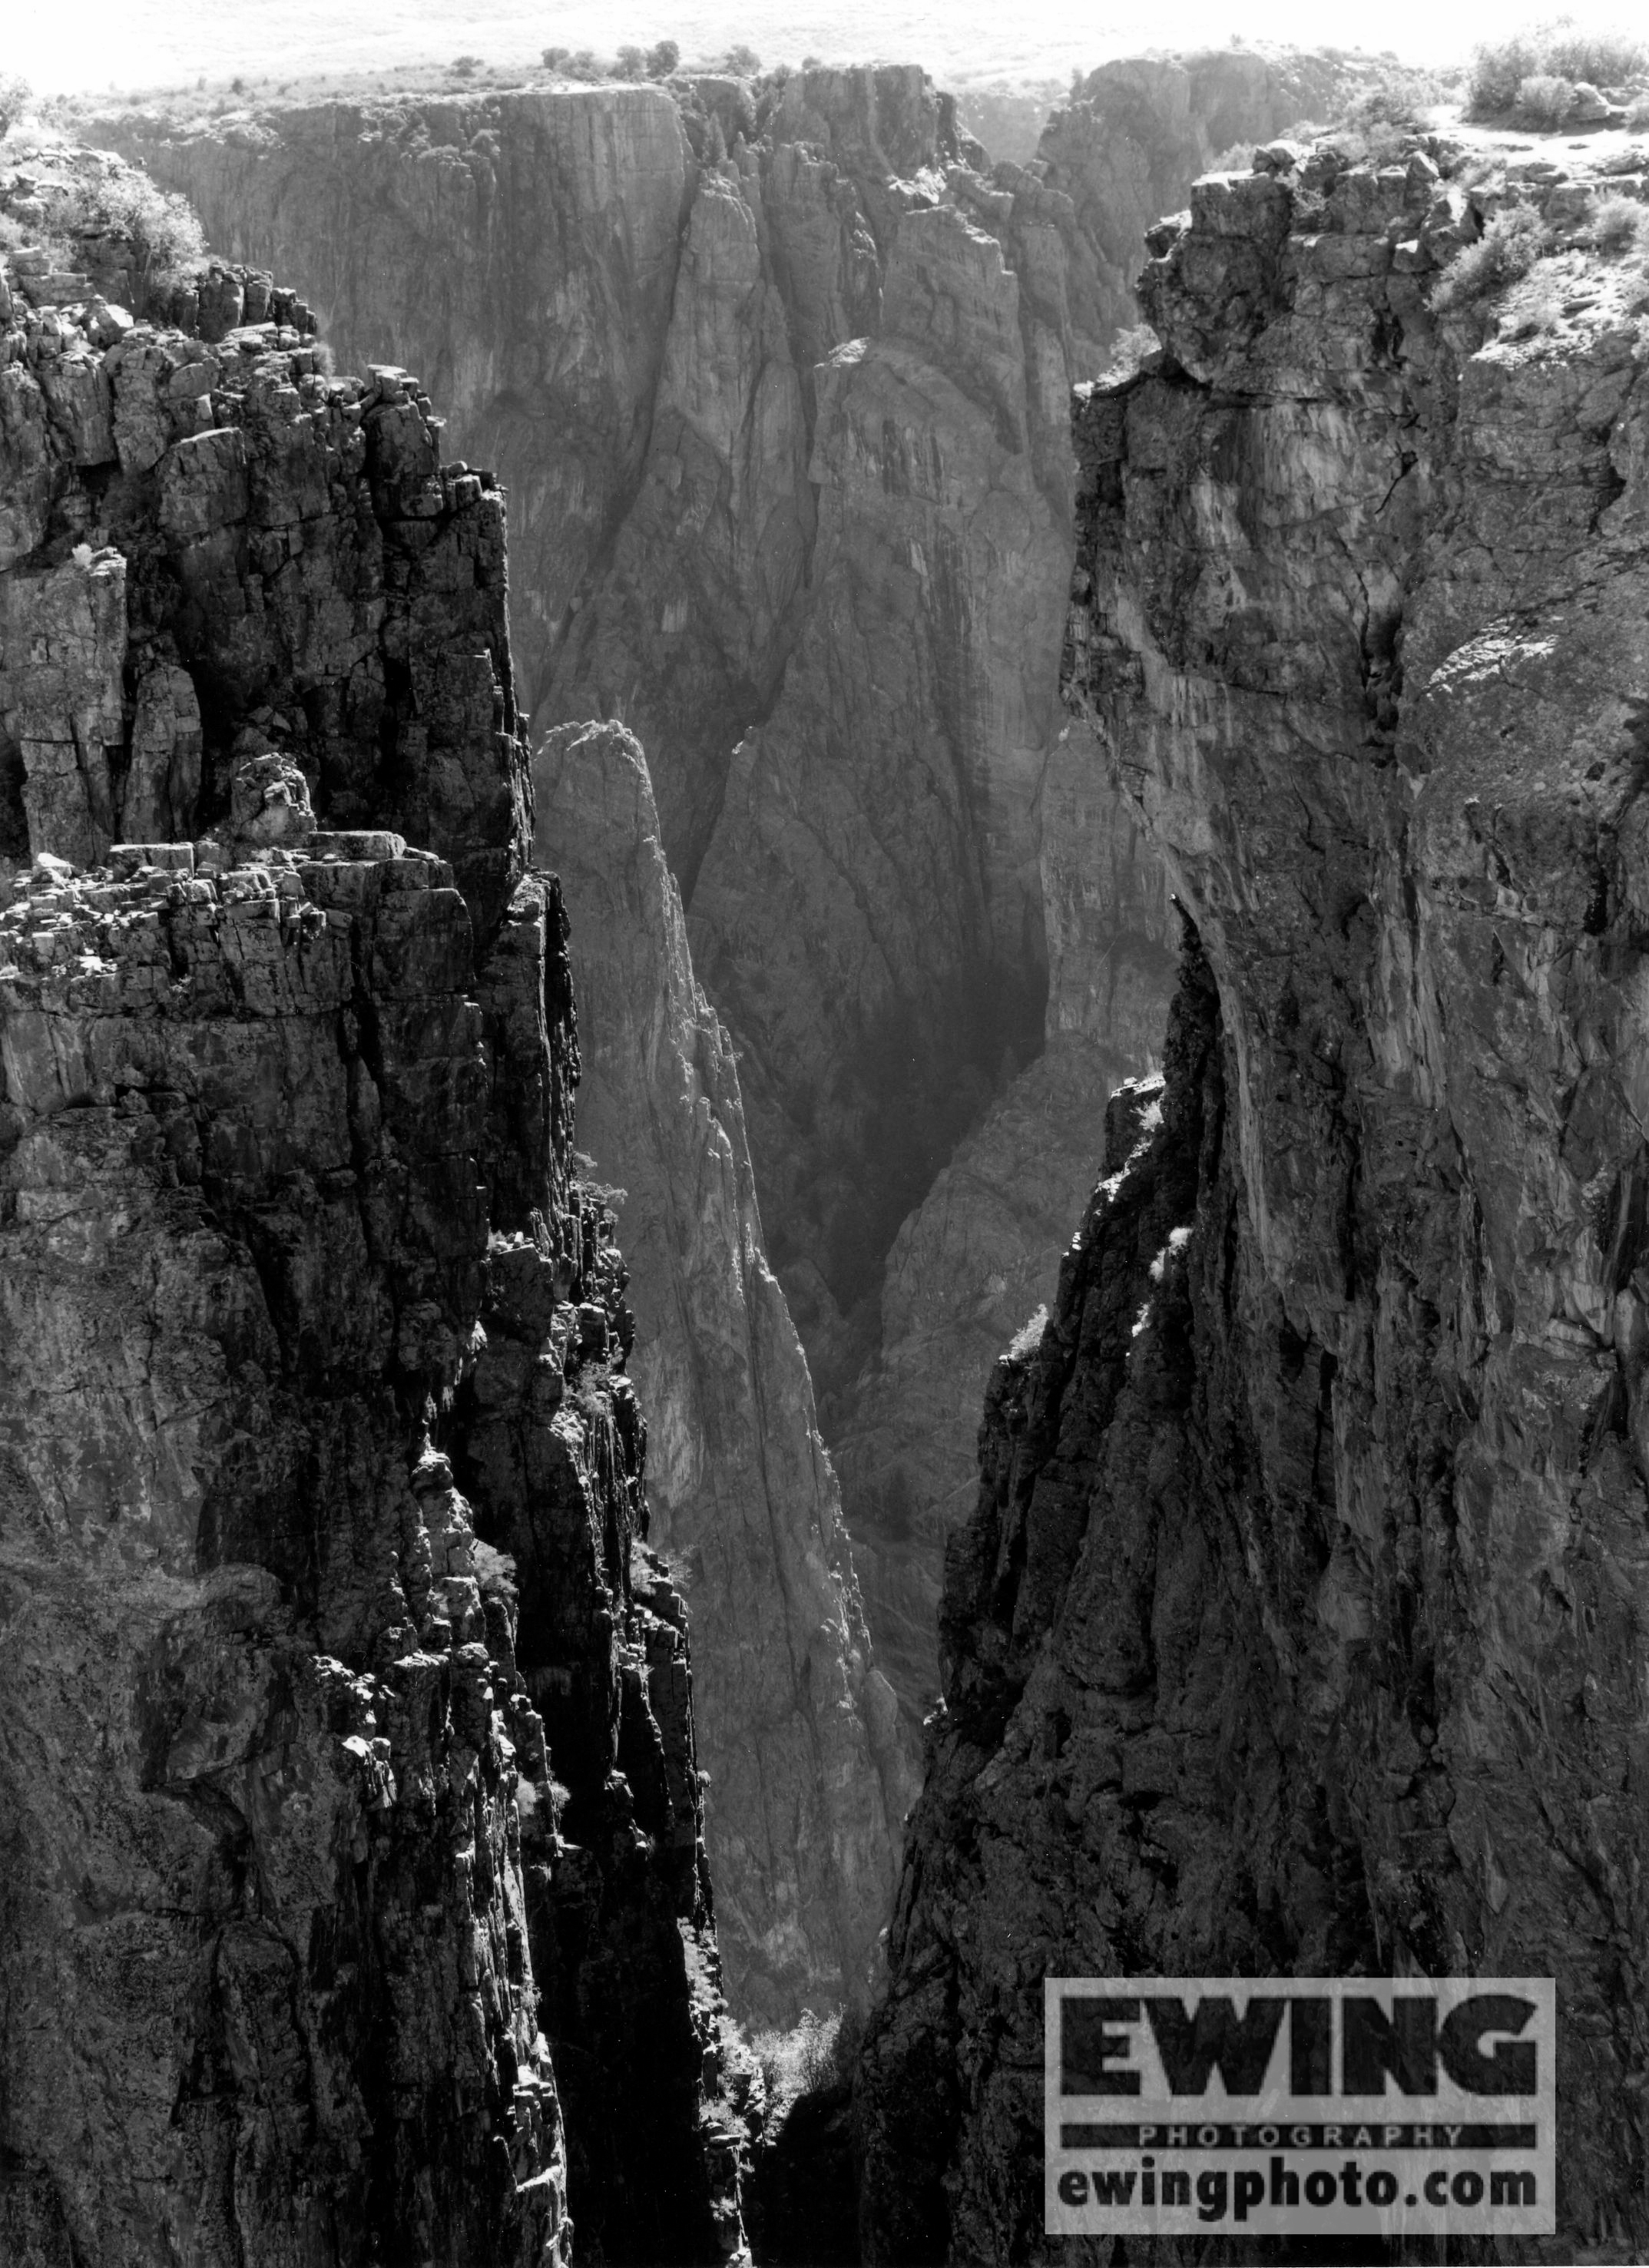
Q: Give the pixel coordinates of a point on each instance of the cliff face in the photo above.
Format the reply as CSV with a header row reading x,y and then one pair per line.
x,y
787,438
1298,1627
356,1904
820,516
808,1778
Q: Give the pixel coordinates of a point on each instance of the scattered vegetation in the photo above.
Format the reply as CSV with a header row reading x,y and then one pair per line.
x,y
1502,254
1561,49
821,2053
630,62
163,228
1621,226
1238,159
1533,309
14,100
1403,98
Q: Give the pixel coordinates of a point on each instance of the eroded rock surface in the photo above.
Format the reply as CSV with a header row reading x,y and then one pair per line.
x,y
357,1904
809,1778
1298,1627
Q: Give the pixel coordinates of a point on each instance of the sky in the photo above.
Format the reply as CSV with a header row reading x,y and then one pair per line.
x,y
136,44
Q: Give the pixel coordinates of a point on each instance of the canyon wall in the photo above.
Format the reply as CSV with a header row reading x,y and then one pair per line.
x,y
1299,1628
777,377
809,1781
357,1903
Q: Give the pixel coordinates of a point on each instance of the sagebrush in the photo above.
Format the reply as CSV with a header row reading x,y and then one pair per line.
x,y
1507,250
1545,99
1621,226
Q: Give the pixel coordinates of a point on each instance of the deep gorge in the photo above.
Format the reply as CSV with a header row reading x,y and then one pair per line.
x,y
893,795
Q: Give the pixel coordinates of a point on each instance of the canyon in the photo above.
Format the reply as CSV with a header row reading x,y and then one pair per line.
x,y
444,1666
1299,1628
776,376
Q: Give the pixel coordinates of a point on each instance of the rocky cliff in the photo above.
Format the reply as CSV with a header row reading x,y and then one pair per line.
x,y
1299,1628
1136,133
777,378
809,1782
356,1905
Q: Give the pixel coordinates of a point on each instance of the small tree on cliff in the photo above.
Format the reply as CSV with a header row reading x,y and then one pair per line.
x,y
663,59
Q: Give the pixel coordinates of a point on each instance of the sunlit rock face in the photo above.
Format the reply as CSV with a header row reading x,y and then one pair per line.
x,y
1298,1628
357,1904
797,1726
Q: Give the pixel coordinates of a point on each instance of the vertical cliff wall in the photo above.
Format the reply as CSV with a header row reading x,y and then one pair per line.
x,y
356,1905
1298,1627
777,379
790,364
809,1782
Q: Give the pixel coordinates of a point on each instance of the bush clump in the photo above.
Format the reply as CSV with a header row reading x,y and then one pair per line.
x,y
1544,99
1505,253
1560,49
14,100
1621,226
162,228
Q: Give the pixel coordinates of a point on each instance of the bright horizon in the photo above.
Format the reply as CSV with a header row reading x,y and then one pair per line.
x,y
131,46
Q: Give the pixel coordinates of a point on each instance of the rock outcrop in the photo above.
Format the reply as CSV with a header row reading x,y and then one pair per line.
x,y
1300,1625
356,1905
1137,132
809,1781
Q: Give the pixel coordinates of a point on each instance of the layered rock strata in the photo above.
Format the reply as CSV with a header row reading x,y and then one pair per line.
x,y
356,1900
809,1778
1298,1627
